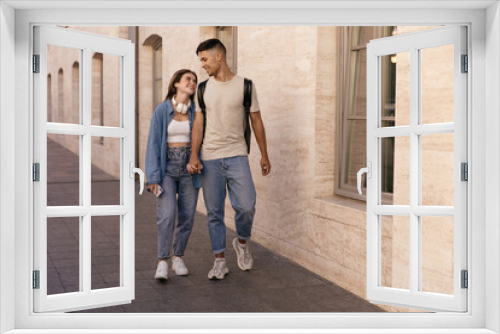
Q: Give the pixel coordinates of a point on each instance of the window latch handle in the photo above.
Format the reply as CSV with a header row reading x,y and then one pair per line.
x,y
368,171
134,170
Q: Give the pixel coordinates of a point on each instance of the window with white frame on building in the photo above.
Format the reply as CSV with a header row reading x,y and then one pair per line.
x,y
352,109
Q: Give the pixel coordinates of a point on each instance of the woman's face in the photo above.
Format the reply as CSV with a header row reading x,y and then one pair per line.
x,y
187,84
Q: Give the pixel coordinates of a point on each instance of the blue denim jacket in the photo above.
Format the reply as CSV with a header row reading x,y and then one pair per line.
x,y
156,151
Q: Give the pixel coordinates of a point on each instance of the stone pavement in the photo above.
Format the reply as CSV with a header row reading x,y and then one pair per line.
x,y
275,284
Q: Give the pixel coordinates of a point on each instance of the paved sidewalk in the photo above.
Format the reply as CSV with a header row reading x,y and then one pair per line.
x,y
273,285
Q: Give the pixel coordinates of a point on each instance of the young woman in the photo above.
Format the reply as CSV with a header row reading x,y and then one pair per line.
x,y
167,154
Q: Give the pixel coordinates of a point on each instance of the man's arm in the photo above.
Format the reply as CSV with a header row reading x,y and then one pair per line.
x,y
260,136
195,166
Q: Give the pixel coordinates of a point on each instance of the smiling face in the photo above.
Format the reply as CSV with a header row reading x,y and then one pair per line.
x,y
187,84
210,61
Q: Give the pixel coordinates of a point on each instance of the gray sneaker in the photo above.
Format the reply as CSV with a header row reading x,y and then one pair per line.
x,y
179,267
219,271
162,270
245,260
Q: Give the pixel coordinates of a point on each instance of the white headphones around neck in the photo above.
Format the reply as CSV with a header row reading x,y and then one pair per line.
x,y
181,107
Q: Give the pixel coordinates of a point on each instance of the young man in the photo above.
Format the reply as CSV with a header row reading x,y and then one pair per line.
x,y
224,155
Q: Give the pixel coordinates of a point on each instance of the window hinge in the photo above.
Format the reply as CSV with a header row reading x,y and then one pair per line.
x,y
36,63
36,279
36,172
465,279
465,64
464,171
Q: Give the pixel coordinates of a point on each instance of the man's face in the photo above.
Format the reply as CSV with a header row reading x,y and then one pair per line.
x,y
209,61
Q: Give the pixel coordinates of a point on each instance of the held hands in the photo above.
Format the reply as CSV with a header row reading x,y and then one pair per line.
x,y
265,165
194,166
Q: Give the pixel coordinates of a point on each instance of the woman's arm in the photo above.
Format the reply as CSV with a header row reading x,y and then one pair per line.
x,y
195,166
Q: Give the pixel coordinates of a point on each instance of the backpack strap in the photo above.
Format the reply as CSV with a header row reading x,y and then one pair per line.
x,y
201,104
247,103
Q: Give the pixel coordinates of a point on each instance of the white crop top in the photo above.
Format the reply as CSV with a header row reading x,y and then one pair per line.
x,y
178,132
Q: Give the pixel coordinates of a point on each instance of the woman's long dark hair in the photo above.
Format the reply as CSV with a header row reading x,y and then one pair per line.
x,y
177,78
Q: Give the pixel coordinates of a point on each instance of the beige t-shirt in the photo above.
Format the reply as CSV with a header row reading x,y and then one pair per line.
x,y
225,116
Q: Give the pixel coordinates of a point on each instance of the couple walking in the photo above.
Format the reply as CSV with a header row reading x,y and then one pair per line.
x,y
191,147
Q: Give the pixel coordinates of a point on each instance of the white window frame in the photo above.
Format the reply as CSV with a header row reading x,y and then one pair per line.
x,y
484,212
415,43
86,44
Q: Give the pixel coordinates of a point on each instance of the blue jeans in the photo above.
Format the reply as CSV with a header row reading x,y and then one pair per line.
x,y
176,181
235,174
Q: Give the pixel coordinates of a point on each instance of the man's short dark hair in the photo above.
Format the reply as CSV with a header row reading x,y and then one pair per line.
x,y
210,44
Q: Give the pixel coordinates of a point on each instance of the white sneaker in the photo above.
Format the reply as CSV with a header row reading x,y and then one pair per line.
x,y
179,267
245,260
162,270
219,271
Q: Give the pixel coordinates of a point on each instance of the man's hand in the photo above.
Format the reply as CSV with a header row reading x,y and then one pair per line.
x,y
265,165
153,188
194,166
260,136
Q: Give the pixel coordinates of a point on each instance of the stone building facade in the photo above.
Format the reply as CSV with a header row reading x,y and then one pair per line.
x,y
303,212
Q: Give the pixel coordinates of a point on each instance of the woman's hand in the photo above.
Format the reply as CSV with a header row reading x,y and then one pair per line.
x,y
153,188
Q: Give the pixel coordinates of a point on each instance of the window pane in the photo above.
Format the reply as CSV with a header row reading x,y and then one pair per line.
x,y
63,165
157,75
361,35
63,84
63,255
437,169
158,62
106,95
437,254
105,252
105,171
159,97
395,252
395,89
357,85
437,84
395,170
355,151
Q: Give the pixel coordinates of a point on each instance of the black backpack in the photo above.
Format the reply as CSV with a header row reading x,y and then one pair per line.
x,y
247,103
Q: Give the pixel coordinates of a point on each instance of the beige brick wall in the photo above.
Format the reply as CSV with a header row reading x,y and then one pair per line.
x,y
282,62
